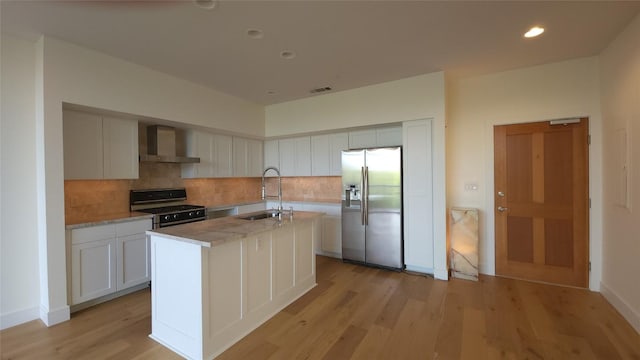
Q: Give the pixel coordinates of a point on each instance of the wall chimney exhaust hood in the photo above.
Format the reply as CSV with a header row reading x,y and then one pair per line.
x,y
161,146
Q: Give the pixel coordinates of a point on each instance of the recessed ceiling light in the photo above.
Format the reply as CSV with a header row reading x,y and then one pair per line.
x,y
206,4
255,33
287,54
534,31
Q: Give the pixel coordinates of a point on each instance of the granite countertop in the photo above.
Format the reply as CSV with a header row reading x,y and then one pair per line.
x,y
77,222
214,232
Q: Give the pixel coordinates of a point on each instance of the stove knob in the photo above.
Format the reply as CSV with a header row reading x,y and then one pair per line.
x,y
191,214
166,217
175,216
199,212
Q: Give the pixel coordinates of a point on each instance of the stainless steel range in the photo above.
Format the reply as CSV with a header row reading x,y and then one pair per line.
x,y
167,205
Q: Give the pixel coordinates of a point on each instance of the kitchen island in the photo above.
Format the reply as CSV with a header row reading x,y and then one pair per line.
x,y
215,281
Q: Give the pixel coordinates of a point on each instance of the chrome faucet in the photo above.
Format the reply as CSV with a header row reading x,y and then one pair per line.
x,y
265,196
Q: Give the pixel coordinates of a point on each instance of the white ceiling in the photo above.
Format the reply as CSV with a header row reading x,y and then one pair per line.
x,y
342,44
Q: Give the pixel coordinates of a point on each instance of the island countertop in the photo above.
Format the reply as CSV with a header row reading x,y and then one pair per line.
x,y
213,232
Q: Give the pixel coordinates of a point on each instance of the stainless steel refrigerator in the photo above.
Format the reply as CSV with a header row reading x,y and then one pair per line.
x,y
372,207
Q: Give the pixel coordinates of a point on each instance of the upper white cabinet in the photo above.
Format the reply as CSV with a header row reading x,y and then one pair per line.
x,y
247,157
215,152
391,136
362,139
120,143
82,145
326,154
295,156
271,153
379,137
97,147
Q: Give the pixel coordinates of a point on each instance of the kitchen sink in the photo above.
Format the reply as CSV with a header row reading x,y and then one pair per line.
x,y
260,215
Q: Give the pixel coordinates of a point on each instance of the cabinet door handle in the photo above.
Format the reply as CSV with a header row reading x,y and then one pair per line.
x,y
502,209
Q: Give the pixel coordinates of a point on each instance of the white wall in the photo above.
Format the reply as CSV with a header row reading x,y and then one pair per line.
x,y
412,98
94,79
19,294
558,90
418,97
620,74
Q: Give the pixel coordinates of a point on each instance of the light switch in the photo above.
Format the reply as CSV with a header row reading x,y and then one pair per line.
x,y
471,186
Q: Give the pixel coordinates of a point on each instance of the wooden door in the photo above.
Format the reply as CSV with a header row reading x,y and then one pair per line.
x,y
542,202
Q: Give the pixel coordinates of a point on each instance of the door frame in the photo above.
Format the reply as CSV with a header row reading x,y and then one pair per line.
x,y
488,260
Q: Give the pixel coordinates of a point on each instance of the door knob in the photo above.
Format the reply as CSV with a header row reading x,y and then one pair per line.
x,y
502,209
500,193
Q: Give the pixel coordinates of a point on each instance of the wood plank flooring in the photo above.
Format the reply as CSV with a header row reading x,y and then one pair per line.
x,y
357,312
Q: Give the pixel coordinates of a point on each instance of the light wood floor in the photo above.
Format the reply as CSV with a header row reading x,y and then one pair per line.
x,y
357,312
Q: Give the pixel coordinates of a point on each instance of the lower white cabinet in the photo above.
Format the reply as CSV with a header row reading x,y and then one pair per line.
x,y
93,270
132,259
330,229
108,258
332,235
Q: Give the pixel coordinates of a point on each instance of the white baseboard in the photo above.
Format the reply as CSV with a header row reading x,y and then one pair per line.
x,y
631,315
56,316
441,274
419,269
18,317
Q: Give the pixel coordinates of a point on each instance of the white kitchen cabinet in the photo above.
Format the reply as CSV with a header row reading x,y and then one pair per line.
x,y
320,158
378,137
215,152
362,139
223,145
108,258
247,157
271,155
418,196
332,235
120,144
93,270
133,257
254,158
199,144
98,147
82,138
326,153
132,261
389,136
329,238
295,156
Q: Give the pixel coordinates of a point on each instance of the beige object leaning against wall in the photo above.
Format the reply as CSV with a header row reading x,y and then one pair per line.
x,y
464,243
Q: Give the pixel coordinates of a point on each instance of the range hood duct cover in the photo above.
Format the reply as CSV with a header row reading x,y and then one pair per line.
x,y
161,146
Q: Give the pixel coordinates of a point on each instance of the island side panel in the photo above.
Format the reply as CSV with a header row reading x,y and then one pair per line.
x,y
176,296
270,263
305,266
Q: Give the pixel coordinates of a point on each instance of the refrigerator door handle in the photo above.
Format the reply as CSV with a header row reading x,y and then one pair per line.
x,y
363,195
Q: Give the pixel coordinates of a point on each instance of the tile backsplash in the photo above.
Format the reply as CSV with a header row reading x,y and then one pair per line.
x,y
105,197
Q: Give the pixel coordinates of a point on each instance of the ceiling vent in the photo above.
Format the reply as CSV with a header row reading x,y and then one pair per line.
x,y
320,89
